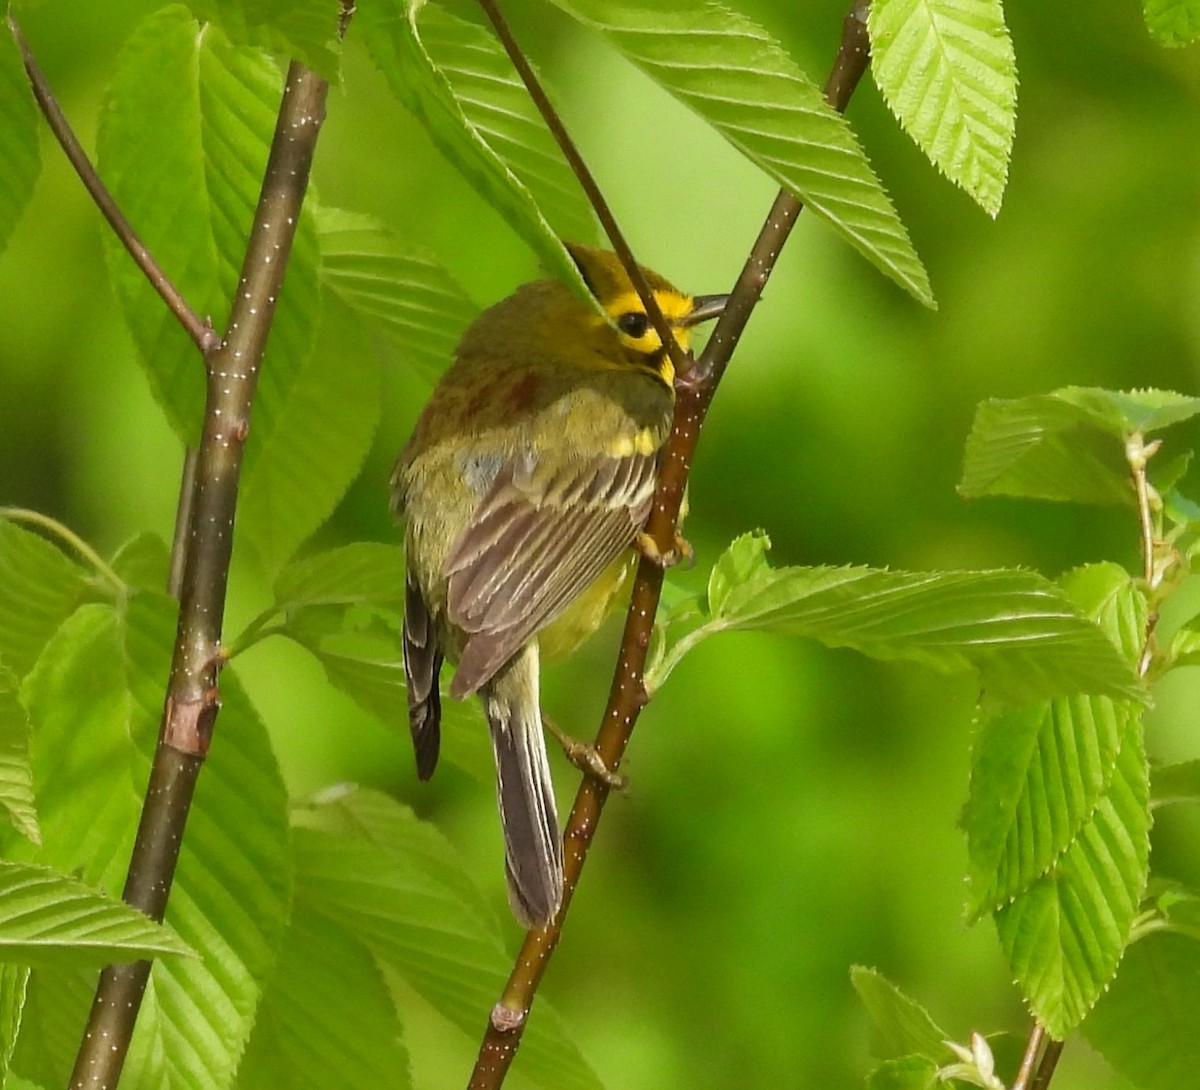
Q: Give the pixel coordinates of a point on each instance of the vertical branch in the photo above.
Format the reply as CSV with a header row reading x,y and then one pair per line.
x,y
193,698
627,695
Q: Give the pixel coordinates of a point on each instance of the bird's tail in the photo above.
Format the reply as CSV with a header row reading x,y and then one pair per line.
x,y
533,848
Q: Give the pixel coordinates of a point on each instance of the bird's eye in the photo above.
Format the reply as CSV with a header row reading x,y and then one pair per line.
x,y
634,324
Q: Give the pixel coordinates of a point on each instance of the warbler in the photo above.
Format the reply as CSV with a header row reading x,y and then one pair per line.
x,y
528,477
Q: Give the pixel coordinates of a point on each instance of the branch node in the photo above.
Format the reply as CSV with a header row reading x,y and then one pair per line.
x,y
507,1019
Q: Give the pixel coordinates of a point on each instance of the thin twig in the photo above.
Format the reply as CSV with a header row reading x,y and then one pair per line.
x,y
1033,1046
192,697
627,694
200,331
608,221
1045,1071
1138,454
67,535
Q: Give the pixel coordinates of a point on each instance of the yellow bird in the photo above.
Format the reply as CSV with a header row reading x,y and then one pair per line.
x,y
525,483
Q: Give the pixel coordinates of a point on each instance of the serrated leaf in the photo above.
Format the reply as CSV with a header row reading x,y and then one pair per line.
x,y
745,558
901,1026
95,700
1064,936
304,30
455,79
48,918
403,295
326,1019
947,70
1037,775
183,143
735,76
319,435
1173,22
393,882
1106,593
19,151
16,775
1022,633
1144,1024
1066,445
39,588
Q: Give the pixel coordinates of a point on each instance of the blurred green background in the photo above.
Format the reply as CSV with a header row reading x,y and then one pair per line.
x,y
792,810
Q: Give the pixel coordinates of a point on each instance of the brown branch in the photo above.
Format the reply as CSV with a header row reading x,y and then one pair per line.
x,y
1046,1068
1029,1057
200,331
192,697
608,221
627,695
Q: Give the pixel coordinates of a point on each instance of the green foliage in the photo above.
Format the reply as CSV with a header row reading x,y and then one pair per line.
x,y
1173,22
947,70
740,80
48,919
324,935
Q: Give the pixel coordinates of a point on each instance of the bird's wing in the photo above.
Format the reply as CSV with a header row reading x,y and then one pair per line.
x,y
536,540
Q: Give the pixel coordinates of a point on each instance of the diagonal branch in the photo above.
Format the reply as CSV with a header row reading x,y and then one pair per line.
x,y
192,696
589,185
627,695
200,331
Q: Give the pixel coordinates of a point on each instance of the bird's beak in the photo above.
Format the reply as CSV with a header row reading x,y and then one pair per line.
x,y
704,308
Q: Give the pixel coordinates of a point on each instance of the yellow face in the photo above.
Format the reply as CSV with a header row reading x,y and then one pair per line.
x,y
638,335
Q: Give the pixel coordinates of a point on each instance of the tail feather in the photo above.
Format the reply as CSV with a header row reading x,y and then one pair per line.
x,y
422,665
533,847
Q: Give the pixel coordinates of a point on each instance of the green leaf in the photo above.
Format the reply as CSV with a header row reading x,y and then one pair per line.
x,y
946,69
402,295
367,865
1144,1025
457,81
1022,633
13,981
1173,22
315,443
183,143
902,1027
745,559
345,607
327,1018
39,589
1175,783
16,775
365,573
95,701
906,1073
735,76
47,918
305,30
19,150
143,562
1066,445
1037,774
1064,936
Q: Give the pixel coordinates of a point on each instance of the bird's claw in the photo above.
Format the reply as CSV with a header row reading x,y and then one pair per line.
x,y
680,550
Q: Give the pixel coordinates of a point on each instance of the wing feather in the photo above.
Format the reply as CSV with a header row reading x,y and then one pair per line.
x,y
534,543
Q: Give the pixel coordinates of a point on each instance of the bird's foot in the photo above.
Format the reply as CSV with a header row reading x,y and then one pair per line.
x,y
584,757
680,550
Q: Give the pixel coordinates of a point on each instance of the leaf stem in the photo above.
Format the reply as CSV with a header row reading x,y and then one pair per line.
x,y
200,331
1037,1034
192,698
627,695
66,534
